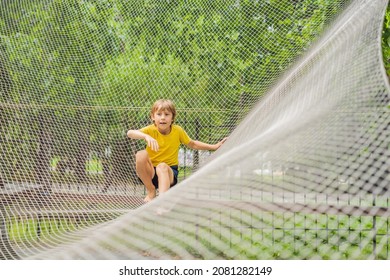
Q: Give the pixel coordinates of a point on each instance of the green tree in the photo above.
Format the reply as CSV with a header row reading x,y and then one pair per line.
x,y
386,41
82,72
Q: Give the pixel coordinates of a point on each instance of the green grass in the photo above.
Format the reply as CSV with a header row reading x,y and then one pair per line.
x,y
40,230
34,230
93,165
301,236
184,172
260,235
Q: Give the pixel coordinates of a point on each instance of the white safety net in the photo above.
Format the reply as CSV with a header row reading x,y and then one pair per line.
x,y
298,86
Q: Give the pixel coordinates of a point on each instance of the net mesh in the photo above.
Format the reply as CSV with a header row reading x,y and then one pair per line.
x,y
303,98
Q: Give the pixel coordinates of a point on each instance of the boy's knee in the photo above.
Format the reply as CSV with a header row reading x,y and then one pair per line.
x,y
141,156
162,168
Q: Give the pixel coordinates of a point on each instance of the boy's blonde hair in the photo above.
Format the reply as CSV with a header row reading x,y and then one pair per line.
x,y
164,105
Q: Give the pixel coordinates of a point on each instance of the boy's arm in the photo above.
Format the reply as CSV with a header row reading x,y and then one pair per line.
x,y
198,145
137,134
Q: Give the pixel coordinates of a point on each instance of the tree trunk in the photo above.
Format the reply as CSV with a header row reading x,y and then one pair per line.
x,y
82,148
43,154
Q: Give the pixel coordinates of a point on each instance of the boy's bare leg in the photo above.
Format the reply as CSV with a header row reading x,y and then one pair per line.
x,y
145,172
165,177
165,180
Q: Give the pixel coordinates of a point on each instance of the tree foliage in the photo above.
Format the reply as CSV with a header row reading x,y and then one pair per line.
x,y
386,41
95,66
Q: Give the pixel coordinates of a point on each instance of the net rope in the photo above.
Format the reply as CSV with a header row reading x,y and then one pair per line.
x,y
298,86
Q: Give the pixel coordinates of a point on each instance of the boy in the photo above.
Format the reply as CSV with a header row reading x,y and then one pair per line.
x,y
157,166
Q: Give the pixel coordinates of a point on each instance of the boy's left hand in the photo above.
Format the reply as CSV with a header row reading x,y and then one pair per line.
x,y
219,144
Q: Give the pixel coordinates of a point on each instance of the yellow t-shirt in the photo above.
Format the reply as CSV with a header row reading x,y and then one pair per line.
x,y
168,144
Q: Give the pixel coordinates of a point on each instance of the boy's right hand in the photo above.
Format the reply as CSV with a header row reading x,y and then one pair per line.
x,y
152,143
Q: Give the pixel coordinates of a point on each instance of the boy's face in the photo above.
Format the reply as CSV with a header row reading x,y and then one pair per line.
x,y
163,119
